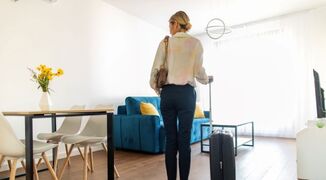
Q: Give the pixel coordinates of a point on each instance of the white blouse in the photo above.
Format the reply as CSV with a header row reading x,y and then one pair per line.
x,y
184,61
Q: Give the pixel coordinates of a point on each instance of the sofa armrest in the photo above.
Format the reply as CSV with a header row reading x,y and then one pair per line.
x,y
140,133
117,131
122,110
150,133
206,114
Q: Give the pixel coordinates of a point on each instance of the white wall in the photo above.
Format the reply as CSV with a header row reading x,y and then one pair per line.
x,y
319,59
106,54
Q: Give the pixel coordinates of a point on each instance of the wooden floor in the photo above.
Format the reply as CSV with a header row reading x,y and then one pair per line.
x,y
270,159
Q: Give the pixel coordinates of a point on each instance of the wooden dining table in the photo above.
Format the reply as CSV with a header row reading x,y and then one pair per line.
x,y
53,114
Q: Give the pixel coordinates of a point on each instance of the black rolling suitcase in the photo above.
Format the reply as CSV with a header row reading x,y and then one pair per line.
x,y
222,160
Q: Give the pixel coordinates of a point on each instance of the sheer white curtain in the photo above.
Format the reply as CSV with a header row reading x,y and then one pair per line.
x,y
263,73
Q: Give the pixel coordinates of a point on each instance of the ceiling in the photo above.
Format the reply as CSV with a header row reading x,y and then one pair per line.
x,y
232,12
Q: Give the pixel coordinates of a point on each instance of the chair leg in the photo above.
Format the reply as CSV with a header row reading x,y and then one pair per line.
x,y
23,165
55,168
116,171
66,162
105,147
9,164
115,168
13,169
80,152
54,176
85,162
39,162
91,158
1,160
66,147
35,170
82,156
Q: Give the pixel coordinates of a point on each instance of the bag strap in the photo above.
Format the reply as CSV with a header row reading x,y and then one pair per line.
x,y
166,42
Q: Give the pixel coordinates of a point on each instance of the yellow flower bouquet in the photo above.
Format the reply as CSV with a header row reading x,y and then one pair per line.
x,y
44,75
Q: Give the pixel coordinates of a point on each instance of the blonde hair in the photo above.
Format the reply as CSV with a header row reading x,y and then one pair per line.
x,y
182,19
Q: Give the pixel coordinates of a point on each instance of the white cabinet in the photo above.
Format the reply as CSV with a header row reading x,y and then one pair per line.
x,y
311,153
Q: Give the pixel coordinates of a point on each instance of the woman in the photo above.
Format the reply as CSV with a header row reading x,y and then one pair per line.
x,y
178,97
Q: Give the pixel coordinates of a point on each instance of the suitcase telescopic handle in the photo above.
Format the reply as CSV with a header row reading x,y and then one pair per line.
x,y
210,104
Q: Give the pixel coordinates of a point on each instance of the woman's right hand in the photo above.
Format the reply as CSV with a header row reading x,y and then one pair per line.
x,y
157,91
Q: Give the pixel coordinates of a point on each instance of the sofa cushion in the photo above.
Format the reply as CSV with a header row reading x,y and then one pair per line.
x,y
148,109
199,112
133,104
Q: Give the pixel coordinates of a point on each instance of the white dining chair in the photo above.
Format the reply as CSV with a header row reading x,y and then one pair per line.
x,y
70,126
1,160
13,150
94,133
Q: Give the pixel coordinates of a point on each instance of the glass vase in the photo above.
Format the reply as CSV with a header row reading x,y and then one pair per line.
x,y
45,101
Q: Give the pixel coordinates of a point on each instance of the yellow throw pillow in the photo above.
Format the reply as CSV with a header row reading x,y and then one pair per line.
x,y
148,109
199,112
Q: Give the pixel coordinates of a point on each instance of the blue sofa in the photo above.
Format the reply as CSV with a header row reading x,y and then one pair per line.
x,y
145,133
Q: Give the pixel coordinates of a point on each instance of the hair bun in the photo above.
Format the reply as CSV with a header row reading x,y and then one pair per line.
x,y
188,26
182,18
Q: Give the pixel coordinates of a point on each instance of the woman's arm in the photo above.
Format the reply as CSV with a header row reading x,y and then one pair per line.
x,y
200,73
158,61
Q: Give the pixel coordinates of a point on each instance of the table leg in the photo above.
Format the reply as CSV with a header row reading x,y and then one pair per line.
x,y
54,129
110,155
29,147
236,141
54,123
252,133
201,138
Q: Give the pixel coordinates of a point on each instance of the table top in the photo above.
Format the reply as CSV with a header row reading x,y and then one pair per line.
x,y
228,124
58,111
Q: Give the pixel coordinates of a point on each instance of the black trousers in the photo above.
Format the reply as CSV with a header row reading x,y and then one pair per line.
x,y
178,103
